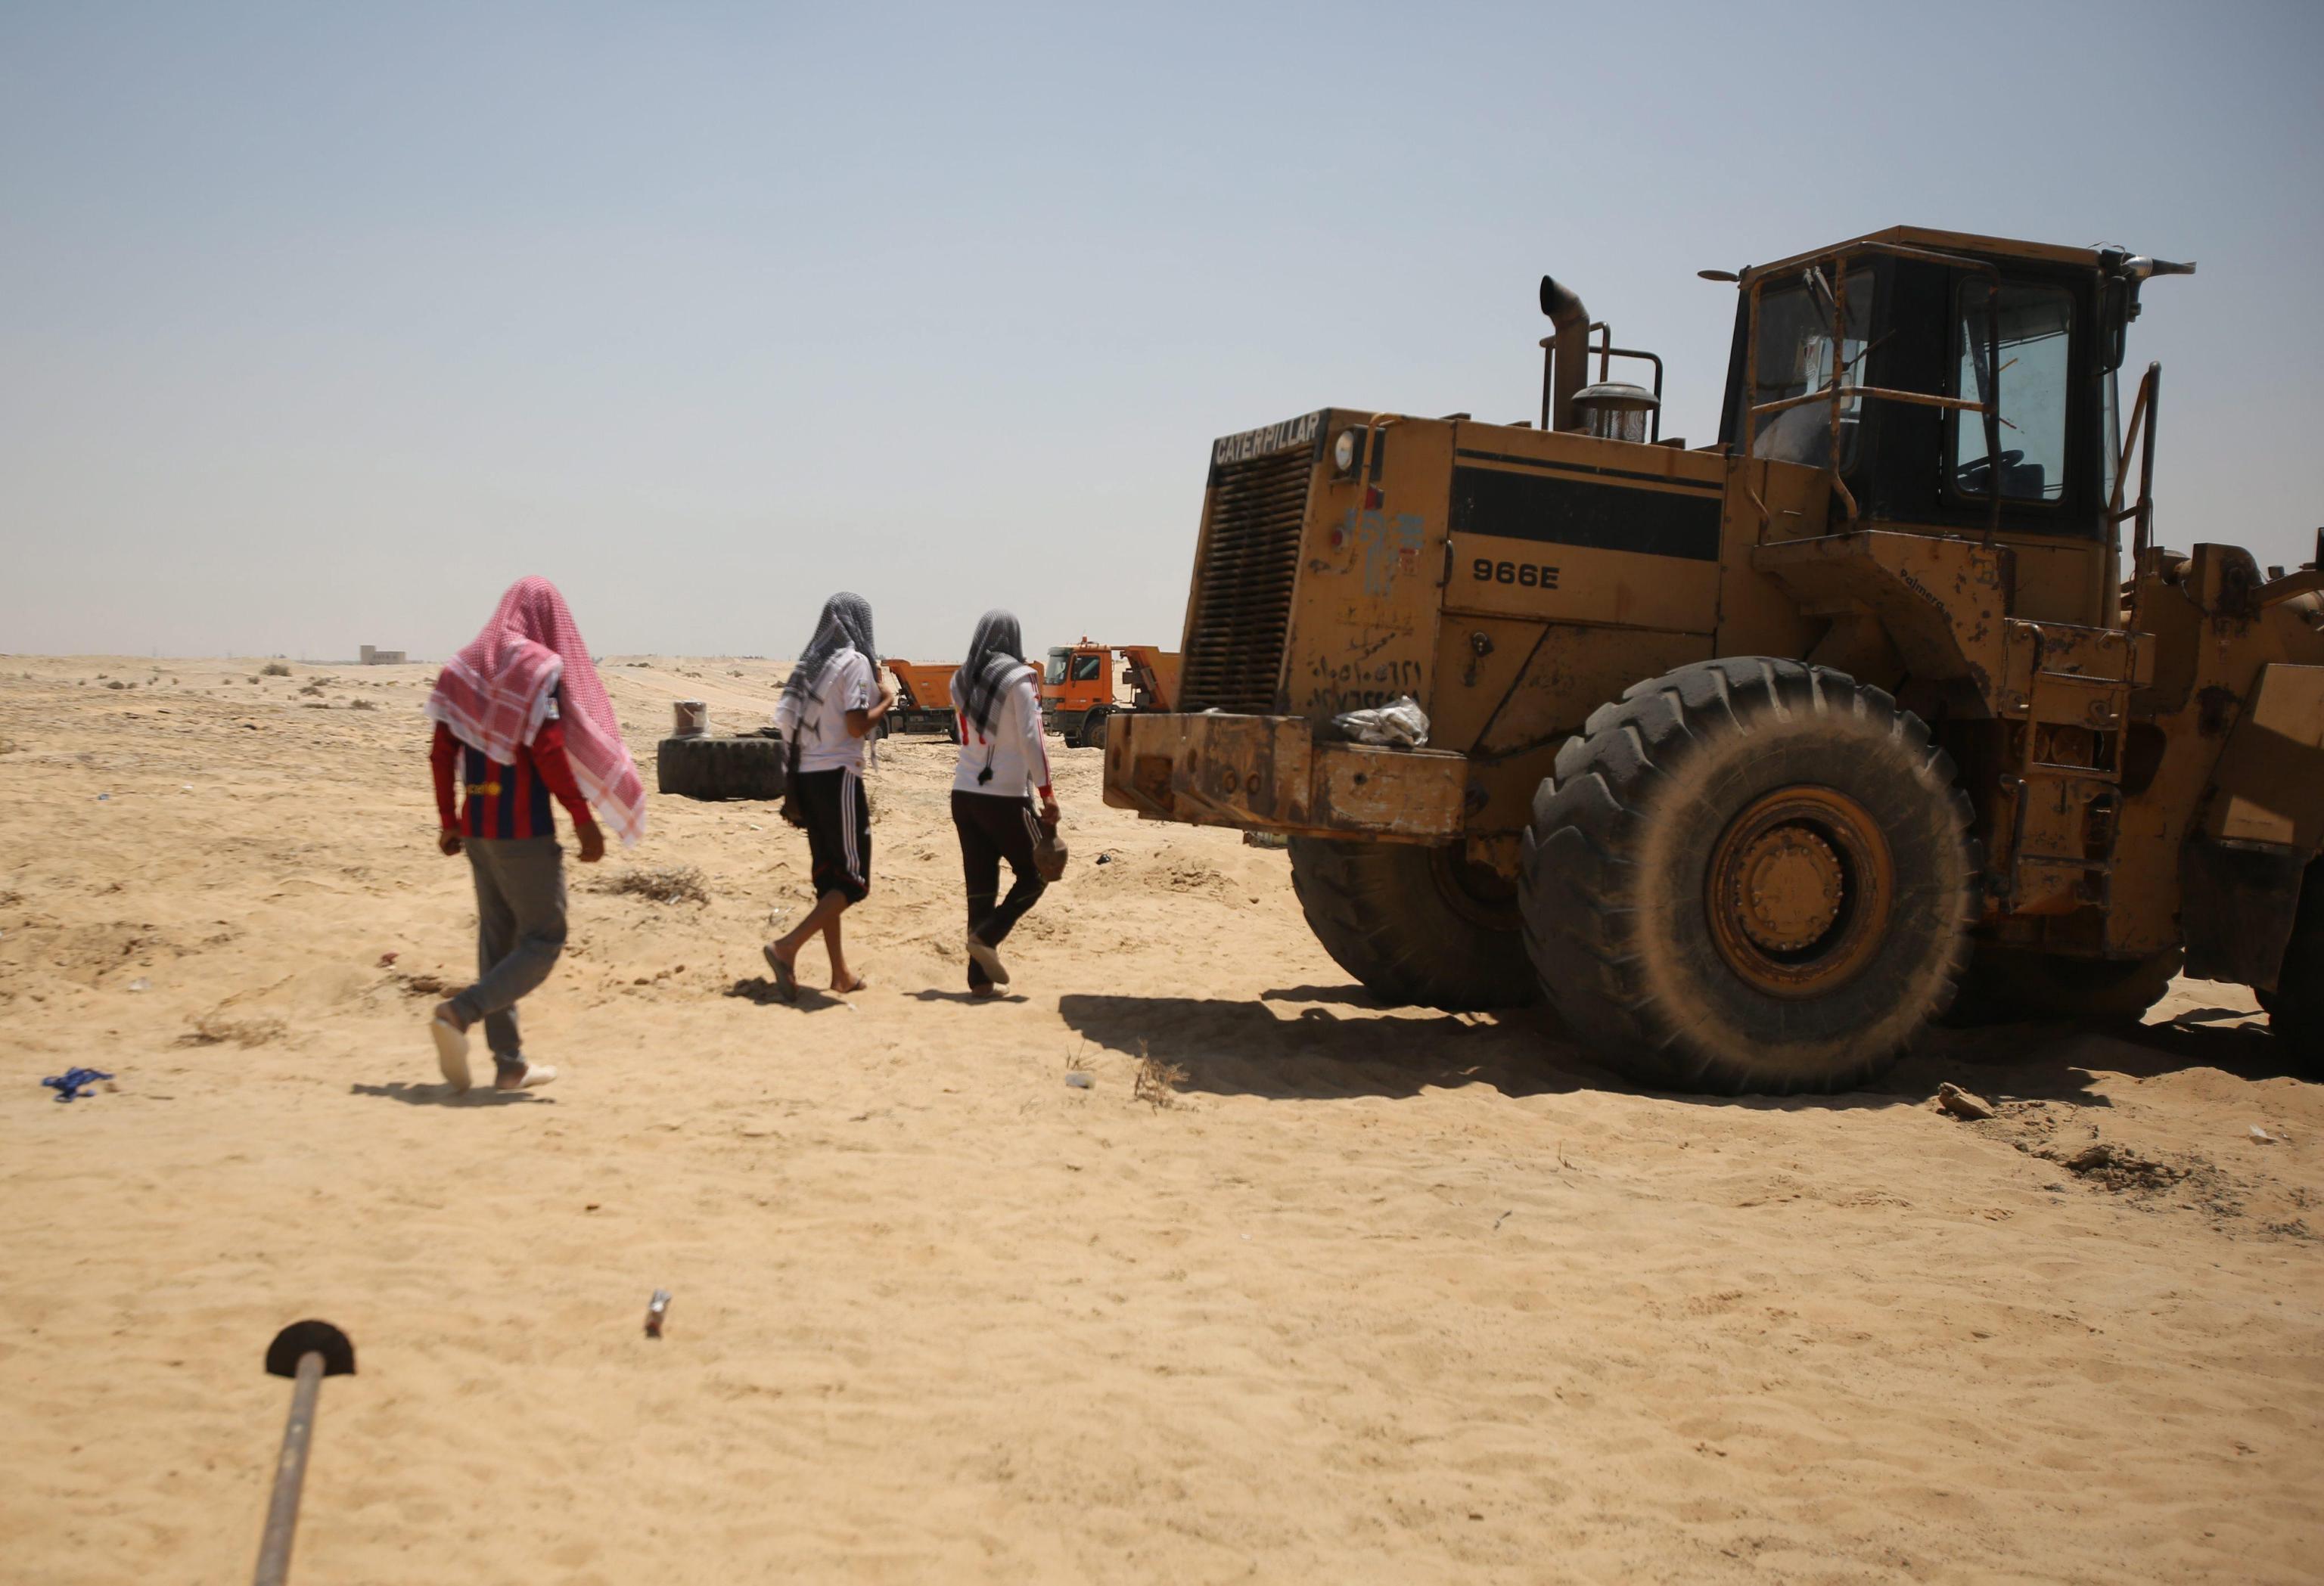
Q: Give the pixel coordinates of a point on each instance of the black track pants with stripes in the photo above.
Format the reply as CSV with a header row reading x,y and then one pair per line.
x,y
993,828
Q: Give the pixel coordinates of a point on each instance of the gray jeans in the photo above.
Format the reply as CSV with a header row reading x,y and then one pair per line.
x,y
519,930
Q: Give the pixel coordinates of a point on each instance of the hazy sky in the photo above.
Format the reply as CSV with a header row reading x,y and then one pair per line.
x,y
319,323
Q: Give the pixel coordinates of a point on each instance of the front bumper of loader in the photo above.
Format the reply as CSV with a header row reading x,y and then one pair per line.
x,y
1269,774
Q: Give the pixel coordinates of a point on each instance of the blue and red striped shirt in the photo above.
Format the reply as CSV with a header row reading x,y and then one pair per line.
x,y
506,800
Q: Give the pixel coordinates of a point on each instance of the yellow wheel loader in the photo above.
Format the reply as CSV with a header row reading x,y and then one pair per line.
x,y
1756,756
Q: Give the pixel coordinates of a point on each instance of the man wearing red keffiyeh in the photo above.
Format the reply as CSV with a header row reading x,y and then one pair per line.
x,y
523,716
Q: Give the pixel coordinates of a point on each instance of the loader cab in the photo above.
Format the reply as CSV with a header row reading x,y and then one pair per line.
x,y
1929,324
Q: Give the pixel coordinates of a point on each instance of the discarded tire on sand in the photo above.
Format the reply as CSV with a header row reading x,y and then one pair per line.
x,y
721,768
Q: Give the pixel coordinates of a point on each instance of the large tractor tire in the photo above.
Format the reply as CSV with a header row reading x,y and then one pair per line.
x,y
1749,875
721,768
1416,925
2004,985
1091,735
2295,1008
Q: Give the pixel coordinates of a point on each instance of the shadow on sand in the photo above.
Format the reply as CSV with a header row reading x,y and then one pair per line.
x,y
1231,1048
441,1095
1246,1049
759,989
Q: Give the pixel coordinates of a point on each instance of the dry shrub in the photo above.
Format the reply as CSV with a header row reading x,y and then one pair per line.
x,y
363,705
664,883
215,1030
116,683
1158,1082
275,668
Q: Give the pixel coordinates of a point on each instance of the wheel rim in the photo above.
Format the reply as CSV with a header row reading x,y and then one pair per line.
x,y
1800,890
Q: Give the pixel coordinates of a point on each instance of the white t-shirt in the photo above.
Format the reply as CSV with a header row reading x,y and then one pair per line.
x,y
1015,751
820,721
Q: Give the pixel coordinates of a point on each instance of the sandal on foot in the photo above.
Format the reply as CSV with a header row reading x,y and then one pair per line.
x,y
785,977
536,1075
451,1051
988,959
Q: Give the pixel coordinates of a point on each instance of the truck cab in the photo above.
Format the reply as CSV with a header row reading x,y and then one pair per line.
x,y
1078,687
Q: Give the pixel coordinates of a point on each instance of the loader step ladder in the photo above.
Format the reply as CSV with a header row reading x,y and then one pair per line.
x,y
2067,773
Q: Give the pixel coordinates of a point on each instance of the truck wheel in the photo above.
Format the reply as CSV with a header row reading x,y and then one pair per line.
x,y
1091,735
1750,874
1413,923
952,728
720,767
2004,985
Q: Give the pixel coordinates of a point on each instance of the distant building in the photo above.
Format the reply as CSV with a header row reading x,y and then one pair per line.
x,y
381,658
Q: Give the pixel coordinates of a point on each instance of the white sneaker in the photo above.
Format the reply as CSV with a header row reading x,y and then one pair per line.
x,y
451,1051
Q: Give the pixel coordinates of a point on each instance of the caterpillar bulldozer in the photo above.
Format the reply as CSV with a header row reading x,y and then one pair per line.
x,y
1755,758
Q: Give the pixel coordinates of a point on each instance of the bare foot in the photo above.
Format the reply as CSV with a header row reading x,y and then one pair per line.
x,y
852,983
786,973
451,1016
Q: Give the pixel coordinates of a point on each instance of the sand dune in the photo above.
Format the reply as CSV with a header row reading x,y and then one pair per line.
x,y
1365,1295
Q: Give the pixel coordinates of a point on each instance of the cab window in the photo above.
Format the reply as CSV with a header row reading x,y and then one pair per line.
x,y
1795,358
1088,669
1055,671
2036,325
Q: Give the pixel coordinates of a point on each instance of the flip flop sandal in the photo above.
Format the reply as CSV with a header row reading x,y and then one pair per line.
x,y
785,977
451,1051
536,1075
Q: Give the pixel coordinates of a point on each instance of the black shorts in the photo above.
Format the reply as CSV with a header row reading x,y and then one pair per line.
x,y
838,832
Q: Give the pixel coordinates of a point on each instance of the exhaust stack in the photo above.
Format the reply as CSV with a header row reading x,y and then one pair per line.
x,y
1570,355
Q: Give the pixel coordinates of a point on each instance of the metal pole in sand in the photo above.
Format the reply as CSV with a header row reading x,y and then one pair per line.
x,y
305,1353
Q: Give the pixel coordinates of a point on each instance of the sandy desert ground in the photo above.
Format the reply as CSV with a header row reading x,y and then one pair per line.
x,y
1366,1295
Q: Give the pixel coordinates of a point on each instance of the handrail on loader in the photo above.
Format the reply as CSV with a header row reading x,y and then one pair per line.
x,y
1837,392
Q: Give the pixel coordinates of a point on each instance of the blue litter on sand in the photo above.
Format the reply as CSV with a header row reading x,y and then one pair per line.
x,y
73,1081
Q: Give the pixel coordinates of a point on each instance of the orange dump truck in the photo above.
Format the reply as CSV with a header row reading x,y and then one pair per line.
x,y
1077,686
924,698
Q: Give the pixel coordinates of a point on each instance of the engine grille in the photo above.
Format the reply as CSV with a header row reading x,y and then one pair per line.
x,y
1242,611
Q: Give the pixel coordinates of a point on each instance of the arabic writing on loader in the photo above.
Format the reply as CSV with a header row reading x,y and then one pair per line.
x,y
1755,758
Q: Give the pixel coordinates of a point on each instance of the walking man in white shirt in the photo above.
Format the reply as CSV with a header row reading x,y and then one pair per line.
x,y
1003,764
832,701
